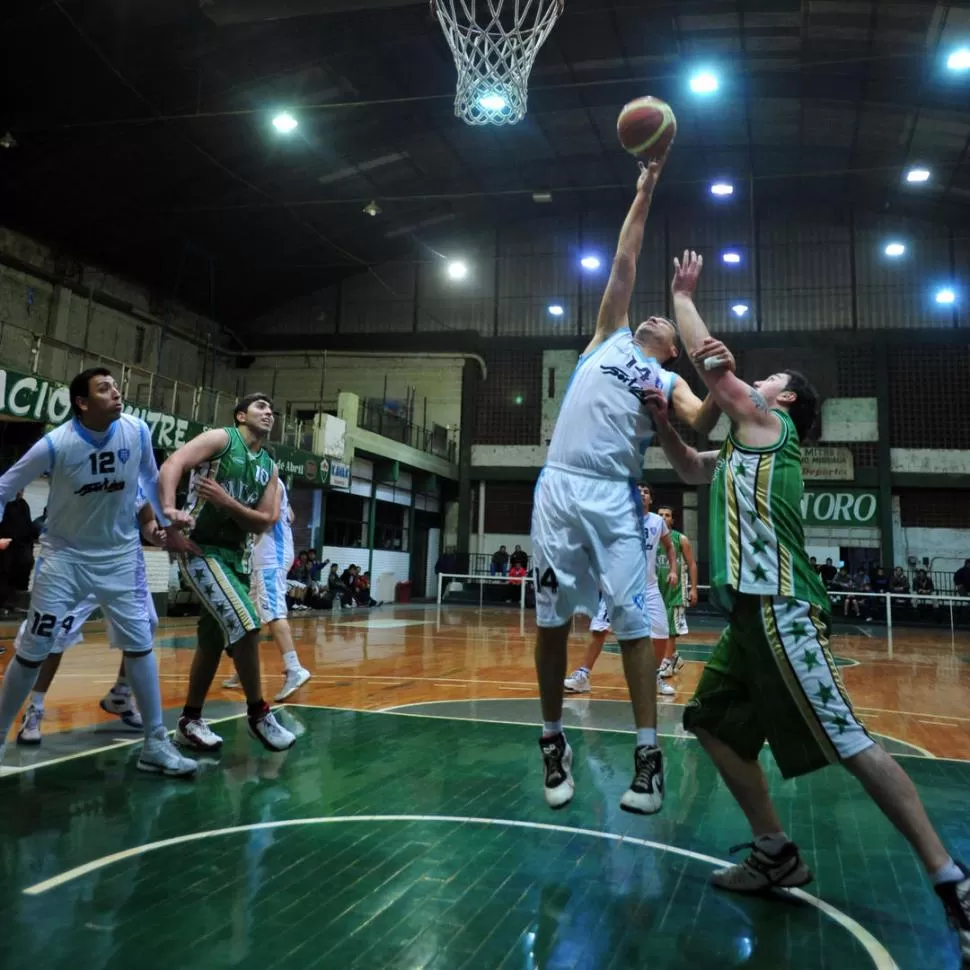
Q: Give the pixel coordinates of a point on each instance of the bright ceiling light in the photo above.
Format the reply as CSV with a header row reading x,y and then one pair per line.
x,y
556,310
590,262
739,309
722,188
731,257
946,296
493,101
894,249
918,174
704,82
959,60
284,122
457,270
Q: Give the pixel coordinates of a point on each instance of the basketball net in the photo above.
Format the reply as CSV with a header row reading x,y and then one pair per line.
x,y
494,43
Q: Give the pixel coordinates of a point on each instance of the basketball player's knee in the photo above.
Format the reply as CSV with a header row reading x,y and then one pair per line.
x,y
31,662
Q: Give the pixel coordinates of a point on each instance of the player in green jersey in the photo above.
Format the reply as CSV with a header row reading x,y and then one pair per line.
x,y
675,595
771,676
233,495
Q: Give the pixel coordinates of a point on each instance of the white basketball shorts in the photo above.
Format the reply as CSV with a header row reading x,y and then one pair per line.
x,y
269,594
587,537
62,591
659,627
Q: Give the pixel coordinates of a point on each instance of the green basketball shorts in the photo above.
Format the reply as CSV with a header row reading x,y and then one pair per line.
x,y
227,611
772,678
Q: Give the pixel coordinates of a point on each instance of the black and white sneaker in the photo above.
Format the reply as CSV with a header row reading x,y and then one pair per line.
x,y
956,899
557,758
761,870
645,796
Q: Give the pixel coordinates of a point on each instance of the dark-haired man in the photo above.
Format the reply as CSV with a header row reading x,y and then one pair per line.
x,y
772,676
233,495
92,546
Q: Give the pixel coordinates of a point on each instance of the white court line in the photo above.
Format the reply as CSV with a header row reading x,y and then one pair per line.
x,y
879,955
20,769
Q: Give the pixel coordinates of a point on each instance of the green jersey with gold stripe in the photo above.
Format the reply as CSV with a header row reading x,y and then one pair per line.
x,y
672,595
757,535
244,475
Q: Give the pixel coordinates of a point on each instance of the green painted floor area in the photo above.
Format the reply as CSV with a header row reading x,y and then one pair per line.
x,y
702,651
444,892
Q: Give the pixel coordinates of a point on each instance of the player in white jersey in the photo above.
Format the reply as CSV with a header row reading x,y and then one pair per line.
x,y
119,699
586,523
655,534
92,546
272,557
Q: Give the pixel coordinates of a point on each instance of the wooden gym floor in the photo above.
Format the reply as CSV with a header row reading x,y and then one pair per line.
x,y
407,826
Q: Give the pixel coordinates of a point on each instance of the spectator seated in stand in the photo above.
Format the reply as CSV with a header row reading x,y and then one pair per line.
x,y
923,586
362,591
860,584
518,558
297,580
500,562
827,572
516,574
961,579
338,590
898,583
843,584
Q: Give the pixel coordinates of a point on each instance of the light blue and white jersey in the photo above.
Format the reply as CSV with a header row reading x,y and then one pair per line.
x,y
95,480
654,527
274,548
602,428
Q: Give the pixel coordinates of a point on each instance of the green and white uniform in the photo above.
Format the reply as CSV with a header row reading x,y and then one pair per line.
x,y
771,675
220,576
674,596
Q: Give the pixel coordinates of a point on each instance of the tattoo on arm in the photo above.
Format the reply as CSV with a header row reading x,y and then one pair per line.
x,y
758,400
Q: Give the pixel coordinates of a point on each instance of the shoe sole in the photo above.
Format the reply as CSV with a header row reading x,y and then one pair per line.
x,y
266,743
754,891
560,805
283,694
634,810
232,685
28,743
153,769
578,690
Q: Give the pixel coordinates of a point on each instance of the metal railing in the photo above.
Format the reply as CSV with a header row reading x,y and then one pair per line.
x,y
374,416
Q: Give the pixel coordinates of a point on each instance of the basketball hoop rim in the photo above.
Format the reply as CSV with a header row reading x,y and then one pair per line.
x,y
433,4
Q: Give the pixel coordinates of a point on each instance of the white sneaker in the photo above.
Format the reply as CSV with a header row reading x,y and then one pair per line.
x,y
121,702
645,796
160,757
196,734
29,732
578,682
292,682
666,668
232,683
762,871
557,759
664,688
270,733
678,663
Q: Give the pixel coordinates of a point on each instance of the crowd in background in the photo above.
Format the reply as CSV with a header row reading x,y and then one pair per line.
x,y
308,589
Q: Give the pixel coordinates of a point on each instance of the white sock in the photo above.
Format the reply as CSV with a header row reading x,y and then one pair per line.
x,y
550,728
291,661
646,736
17,683
772,843
37,699
584,670
143,676
948,872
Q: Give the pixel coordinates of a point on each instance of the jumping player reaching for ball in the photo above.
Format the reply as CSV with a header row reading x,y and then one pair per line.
x,y
586,521
233,495
91,546
772,676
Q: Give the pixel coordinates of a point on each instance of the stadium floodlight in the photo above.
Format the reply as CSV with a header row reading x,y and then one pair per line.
x,y
722,189
917,175
284,123
739,309
704,82
457,270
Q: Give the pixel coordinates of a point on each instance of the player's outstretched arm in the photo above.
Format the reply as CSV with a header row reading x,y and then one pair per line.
x,y
700,415
614,311
39,460
693,466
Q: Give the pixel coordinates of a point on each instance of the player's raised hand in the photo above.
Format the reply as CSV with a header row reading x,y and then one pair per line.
x,y
656,404
177,542
649,174
687,272
713,354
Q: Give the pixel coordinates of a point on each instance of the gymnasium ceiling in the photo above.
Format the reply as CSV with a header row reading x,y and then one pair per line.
x,y
144,142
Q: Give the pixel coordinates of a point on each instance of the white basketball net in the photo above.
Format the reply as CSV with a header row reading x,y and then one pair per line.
x,y
494,43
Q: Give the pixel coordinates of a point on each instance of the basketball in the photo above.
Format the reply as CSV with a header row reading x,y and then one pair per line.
x,y
646,127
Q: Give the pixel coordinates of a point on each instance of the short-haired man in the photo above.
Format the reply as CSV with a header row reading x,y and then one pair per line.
x,y
772,676
233,495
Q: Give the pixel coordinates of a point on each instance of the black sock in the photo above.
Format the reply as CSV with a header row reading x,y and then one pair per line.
x,y
192,713
257,709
